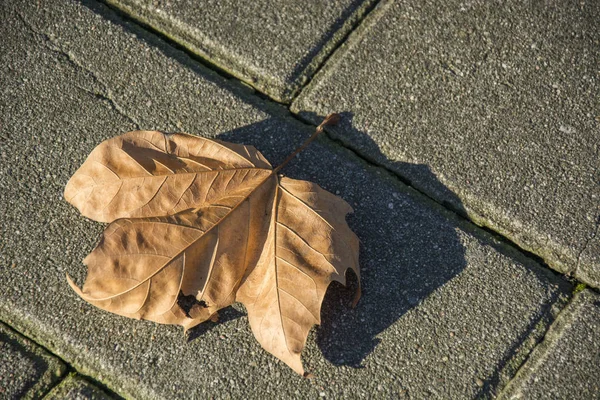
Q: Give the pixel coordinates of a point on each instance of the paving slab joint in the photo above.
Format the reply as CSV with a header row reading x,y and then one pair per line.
x,y
587,242
459,214
69,369
355,24
559,324
518,356
367,21
49,368
98,390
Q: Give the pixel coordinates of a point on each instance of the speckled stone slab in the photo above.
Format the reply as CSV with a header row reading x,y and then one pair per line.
x,y
274,46
500,101
447,311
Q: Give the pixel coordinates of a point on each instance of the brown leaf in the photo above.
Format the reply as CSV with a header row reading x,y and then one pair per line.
x,y
308,245
148,174
210,221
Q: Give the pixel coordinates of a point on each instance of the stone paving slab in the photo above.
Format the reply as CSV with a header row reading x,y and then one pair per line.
x,y
274,46
447,312
500,101
74,387
26,370
567,363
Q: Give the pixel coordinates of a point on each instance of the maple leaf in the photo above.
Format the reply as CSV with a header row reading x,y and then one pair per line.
x,y
198,218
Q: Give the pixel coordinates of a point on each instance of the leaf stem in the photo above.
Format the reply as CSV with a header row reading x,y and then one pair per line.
x,y
331,119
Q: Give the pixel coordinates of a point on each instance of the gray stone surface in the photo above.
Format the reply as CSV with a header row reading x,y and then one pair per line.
x,y
274,46
566,365
26,370
500,101
74,387
446,312
590,255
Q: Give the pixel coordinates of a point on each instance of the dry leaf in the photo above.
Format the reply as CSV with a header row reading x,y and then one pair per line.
x,y
196,224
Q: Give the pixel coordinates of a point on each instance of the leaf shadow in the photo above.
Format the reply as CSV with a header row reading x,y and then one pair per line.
x,y
396,275
407,249
225,315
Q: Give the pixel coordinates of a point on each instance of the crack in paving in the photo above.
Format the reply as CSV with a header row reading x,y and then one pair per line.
x,y
54,46
263,97
108,96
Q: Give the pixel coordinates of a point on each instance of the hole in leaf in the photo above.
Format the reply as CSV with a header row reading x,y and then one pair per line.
x,y
188,302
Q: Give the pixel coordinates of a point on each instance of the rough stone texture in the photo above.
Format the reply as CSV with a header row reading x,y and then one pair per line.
x,y
274,46
26,370
446,311
590,255
567,363
76,388
499,100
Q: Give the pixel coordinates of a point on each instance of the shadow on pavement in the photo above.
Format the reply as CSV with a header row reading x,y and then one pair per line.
x,y
407,251
404,257
225,315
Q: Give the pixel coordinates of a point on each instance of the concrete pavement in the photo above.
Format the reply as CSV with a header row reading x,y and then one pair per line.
x,y
500,101
448,311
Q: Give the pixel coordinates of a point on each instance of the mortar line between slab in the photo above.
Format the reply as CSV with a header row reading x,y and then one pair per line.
x,y
69,368
566,308
355,25
464,218
61,377
546,320
61,380
71,371
263,97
